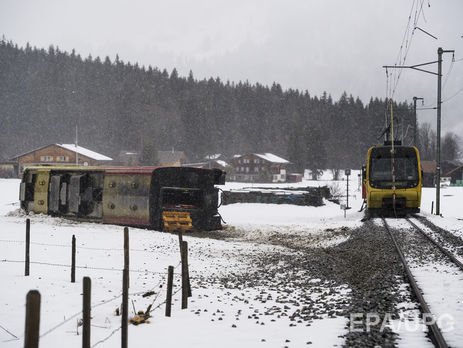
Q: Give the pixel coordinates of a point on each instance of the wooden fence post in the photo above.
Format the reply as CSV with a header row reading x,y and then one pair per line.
x,y
86,310
73,260
125,308
184,275
32,332
126,253
180,240
125,292
170,281
28,245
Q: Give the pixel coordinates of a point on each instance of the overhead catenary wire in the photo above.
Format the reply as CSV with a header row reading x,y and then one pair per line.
x,y
417,8
392,80
453,96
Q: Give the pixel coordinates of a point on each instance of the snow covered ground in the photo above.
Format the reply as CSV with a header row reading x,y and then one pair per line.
x,y
219,314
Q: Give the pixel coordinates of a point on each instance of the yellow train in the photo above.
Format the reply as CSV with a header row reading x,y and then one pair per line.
x,y
161,198
392,179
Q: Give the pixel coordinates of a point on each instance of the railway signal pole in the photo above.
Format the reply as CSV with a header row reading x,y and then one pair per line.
x,y
347,173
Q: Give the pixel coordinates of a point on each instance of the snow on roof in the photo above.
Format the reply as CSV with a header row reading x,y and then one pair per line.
x,y
85,152
222,163
213,156
271,157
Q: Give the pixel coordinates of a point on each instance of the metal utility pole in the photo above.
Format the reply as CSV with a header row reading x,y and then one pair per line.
x,y
415,127
440,51
418,67
439,101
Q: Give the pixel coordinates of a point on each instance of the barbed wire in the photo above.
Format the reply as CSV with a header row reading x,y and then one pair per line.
x,y
73,316
83,267
68,245
108,337
92,307
9,332
120,327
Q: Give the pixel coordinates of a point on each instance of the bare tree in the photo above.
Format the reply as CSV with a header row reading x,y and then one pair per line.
x,y
427,142
450,146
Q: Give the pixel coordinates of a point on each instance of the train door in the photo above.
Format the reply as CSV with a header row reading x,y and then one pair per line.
x,y
364,177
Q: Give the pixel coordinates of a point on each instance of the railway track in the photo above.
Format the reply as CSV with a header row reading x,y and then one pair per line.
x,y
435,333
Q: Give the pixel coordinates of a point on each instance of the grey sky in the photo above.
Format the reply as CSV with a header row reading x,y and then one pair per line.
x,y
318,45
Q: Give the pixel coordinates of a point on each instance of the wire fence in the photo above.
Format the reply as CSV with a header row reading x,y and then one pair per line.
x,y
101,303
83,267
80,247
152,307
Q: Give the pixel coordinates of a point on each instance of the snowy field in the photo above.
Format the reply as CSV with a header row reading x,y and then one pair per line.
x,y
218,315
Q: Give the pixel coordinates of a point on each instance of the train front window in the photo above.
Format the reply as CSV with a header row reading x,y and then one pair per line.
x,y
180,198
405,166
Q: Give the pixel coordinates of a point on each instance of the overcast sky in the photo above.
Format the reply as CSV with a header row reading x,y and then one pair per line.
x,y
314,45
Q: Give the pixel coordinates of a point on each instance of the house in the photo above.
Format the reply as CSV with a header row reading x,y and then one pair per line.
x,y
451,169
60,154
8,170
429,173
456,175
259,167
128,158
171,158
215,157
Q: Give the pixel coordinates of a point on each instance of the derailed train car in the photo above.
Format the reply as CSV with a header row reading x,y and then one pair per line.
x,y
160,198
392,179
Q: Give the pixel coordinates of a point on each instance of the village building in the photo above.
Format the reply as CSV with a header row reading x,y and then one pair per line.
x,y
215,161
258,167
162,159
171,158
210,164
452,171
128,158
8,169
429,173
60,154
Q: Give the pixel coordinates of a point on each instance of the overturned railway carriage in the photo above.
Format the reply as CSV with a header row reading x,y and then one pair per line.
x,y
392,179
161,198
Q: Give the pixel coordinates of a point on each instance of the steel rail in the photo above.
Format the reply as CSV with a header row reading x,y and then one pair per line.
x,y
436,334
438,245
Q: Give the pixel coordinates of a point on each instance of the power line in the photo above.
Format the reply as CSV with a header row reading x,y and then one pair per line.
x,y
448,73
453,96
407,39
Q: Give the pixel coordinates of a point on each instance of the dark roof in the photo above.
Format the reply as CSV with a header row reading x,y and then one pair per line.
x,y
428,166
454,170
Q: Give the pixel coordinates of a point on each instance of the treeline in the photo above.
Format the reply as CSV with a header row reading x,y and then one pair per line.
x,y
45,94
